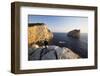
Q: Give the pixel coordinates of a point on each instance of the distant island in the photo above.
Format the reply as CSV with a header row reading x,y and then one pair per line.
x,y
74,33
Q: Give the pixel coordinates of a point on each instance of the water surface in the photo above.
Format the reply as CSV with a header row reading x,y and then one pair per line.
x,y
79,46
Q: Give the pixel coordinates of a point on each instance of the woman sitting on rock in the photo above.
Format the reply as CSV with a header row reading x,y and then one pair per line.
x,y
45,43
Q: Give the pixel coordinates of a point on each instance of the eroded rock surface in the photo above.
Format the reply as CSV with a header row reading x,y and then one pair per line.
x,y
52,52
37,32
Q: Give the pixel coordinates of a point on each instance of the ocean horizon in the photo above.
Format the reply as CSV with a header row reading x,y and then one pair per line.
x,y
79,46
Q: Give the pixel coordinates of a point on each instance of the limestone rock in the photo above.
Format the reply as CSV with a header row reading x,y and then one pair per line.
x,y
52,52
68,54
37,32
74,33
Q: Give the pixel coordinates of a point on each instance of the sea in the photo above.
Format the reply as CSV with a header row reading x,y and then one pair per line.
x,y
79,46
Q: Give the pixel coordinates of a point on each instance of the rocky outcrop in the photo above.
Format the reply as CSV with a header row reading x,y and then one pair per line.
x,y
37,32
69,54
74,33
51,52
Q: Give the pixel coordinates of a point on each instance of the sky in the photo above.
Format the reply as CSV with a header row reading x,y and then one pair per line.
x,y
61,23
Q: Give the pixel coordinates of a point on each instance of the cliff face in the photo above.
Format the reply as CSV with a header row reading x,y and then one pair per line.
x,y
37,32
74,33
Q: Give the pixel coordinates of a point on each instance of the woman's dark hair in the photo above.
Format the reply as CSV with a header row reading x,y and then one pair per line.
x,y
45,42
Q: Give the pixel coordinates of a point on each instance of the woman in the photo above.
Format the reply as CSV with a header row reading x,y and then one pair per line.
x,y
45,43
